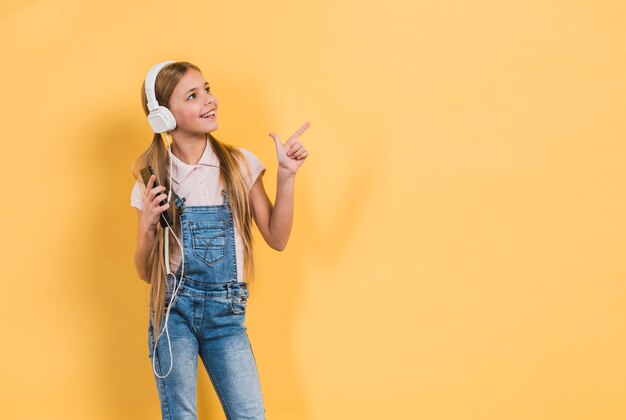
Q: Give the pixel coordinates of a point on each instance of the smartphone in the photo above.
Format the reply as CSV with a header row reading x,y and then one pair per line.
x,y
146,173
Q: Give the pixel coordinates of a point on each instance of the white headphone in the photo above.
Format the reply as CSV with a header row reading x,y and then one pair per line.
x,y
160,118
162,121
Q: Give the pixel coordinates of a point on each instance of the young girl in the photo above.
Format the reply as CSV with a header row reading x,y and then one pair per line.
x,y
199,286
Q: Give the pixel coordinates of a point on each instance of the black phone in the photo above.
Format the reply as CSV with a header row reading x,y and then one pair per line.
x,y
146,173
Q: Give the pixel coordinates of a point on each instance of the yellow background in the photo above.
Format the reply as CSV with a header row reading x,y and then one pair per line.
x,y
458,249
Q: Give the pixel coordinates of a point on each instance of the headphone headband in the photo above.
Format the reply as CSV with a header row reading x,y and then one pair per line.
x,y
150,82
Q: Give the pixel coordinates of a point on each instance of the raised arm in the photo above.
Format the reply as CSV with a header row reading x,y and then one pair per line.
x,y
275,221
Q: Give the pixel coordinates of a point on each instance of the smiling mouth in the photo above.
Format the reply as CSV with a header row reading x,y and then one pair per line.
x,y
210,114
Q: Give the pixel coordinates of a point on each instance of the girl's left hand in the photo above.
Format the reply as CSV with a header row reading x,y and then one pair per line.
x,y
291,155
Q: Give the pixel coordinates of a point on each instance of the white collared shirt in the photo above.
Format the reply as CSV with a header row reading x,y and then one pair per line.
x,y
199,185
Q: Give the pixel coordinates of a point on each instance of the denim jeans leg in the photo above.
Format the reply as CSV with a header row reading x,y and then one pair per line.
x,y
230,364
177,391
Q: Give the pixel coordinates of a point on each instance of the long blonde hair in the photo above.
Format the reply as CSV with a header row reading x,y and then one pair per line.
x,y
231,176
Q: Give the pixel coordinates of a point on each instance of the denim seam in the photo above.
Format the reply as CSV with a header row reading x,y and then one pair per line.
x,y
193,310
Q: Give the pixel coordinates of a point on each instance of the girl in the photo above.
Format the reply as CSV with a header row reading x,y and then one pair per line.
x,y
218,190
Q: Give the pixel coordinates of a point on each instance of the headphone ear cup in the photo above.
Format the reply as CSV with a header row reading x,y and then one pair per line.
x,y
161,120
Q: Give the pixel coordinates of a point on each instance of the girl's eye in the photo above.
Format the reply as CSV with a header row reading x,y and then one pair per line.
x,y
193,94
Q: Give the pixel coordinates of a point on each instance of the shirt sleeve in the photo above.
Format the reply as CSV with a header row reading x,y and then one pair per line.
x,y
136,196
256,166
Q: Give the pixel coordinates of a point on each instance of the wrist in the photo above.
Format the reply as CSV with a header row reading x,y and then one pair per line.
x,y
147,231
284,173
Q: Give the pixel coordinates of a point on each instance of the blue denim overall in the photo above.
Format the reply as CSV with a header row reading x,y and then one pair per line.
x,y
207,318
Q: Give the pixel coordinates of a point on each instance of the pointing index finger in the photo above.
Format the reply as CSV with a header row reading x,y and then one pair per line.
x,y
298,132
304,127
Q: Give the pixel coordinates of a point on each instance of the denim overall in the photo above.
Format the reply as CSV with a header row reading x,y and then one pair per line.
x,y
207,318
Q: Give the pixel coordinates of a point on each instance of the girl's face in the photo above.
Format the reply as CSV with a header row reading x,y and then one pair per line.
x,y
191,102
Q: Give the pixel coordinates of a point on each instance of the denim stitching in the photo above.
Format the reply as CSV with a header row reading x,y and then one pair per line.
x,y
196,250
193,310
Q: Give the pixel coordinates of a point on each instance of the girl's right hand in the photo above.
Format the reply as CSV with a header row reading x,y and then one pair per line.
x,y
152,196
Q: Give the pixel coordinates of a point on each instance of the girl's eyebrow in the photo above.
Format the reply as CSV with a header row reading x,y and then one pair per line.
x,y
192,89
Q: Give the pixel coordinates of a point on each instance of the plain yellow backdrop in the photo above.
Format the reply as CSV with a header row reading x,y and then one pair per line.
x,y
458,248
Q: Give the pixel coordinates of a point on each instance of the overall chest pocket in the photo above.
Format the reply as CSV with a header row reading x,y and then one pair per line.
x,y
208,240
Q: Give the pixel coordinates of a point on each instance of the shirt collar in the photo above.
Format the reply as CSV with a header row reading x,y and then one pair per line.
x,y
181,169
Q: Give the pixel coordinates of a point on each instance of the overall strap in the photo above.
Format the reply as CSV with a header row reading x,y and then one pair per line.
x,y
179,202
